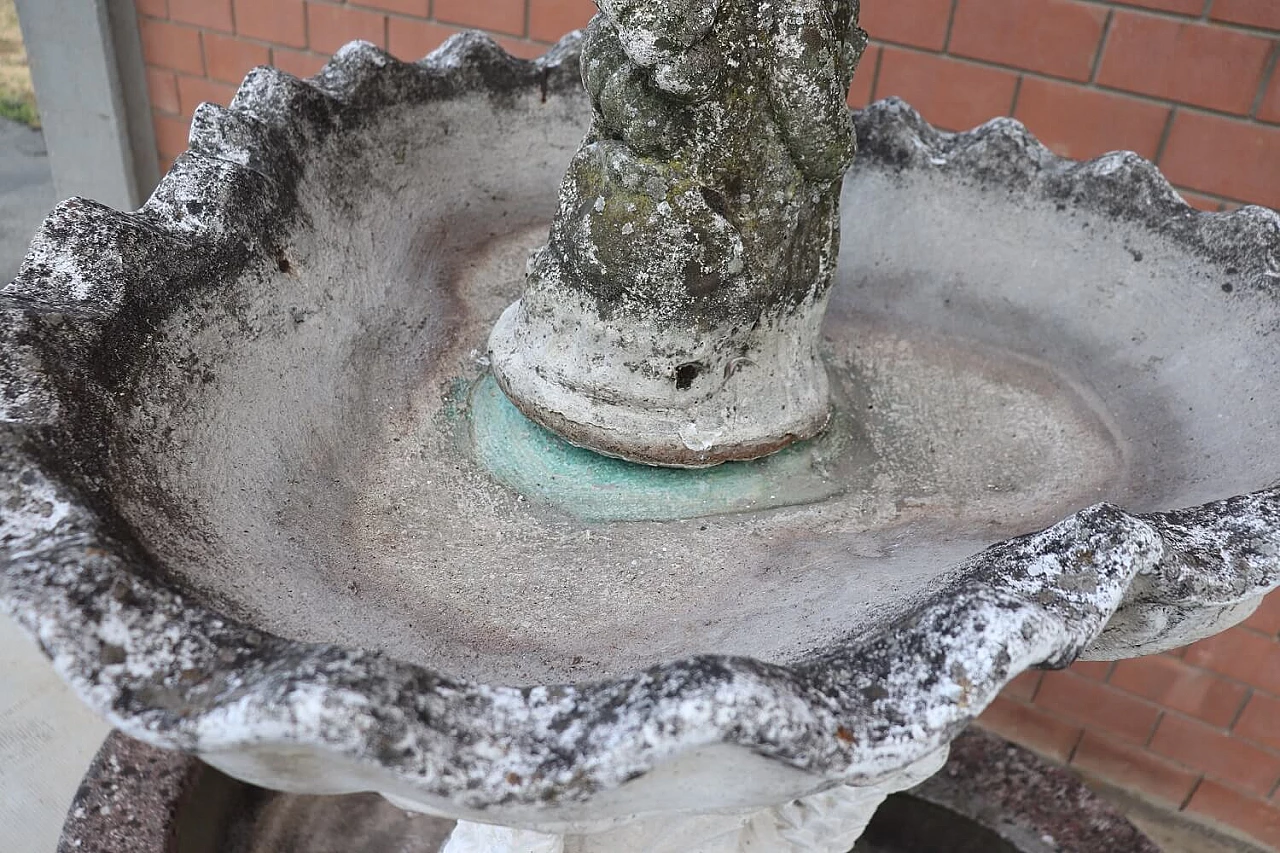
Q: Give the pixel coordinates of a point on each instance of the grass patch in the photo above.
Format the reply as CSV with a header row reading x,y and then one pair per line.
x,y
19,111
17,97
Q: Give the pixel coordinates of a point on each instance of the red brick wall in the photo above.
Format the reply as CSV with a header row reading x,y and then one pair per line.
x,y
1191,84
199,50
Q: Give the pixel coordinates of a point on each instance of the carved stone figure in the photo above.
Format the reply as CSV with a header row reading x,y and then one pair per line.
x,y
671,318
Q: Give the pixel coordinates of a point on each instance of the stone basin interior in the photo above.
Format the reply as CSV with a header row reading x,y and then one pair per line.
x,y
304,452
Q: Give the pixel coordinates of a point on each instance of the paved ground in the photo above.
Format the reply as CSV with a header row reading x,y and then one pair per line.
x,y
26,192
47,737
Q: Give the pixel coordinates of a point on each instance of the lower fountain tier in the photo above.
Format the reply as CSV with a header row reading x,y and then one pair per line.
x,y
991,797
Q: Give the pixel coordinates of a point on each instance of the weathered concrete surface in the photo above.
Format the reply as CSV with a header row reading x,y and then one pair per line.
x,y
26,192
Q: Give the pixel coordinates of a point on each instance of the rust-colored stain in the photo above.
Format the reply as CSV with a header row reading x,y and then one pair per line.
x,y
845,736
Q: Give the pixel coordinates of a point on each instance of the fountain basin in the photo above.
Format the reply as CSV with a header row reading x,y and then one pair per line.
x,y
251,511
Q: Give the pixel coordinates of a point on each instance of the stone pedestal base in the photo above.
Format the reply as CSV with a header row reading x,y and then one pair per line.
x,y
672,396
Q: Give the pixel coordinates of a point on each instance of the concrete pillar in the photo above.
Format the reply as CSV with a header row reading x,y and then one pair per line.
x,y
86,64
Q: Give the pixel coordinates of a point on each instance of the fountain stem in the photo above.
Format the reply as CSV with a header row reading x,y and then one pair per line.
x,y
672,318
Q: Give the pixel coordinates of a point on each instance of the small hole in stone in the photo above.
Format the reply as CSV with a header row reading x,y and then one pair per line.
x,y
282,264
685,374
1227,288
715,201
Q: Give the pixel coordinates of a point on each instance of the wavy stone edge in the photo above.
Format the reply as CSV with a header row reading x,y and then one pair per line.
x,y
177,675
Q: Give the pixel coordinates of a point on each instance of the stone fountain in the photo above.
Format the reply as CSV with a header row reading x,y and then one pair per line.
x,y
278,493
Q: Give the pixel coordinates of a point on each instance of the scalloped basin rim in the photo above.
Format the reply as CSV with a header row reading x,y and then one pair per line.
x,y
309,717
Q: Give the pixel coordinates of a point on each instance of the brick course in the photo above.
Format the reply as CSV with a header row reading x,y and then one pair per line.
x,y
1192,84
1242,654
1264,14
1170,683
953,93
916,23
1215,751
1055,37
1034,728
194,91
1190,63
1238,159
209,14
1181,7
330,27
1260,721
1132,767
1221,804
1079,122
172,47
499,16
1084,700
277,21
227,58
412,8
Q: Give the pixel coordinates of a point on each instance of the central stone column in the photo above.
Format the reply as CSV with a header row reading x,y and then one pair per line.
x,y
672,318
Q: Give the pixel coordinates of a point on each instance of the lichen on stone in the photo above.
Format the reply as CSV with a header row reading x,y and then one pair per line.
x,y
671,318
708,187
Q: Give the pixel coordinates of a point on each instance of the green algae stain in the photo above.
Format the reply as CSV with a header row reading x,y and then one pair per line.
x,y
543,467
455,398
